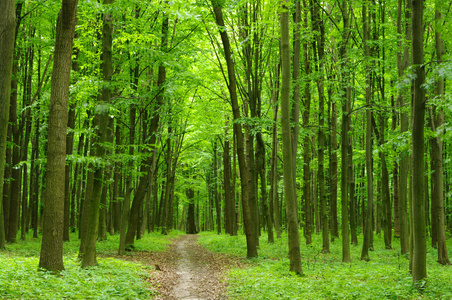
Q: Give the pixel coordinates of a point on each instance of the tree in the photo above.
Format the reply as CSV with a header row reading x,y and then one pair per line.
x,y
369,164
7,33
244,171
419,262
345,128
437,120
306,140
402,64
52,240
319,27
288,155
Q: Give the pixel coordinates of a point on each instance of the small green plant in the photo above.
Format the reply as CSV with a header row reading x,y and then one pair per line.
x,y
385,276
111,279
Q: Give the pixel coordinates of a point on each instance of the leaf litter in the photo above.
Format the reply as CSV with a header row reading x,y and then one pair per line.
x,y
186,270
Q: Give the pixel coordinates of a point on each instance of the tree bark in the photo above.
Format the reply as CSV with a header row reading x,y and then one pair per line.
x,y
369,164
274,177
191,224
402,63
7,36
318,26
52,240
437,121
306,140
419,270
345,128
244,171
288,155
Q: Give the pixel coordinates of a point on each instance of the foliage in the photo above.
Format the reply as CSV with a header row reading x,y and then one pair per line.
x,y
386,276
112,279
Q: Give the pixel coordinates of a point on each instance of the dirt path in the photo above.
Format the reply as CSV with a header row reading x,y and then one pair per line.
x,y
187,270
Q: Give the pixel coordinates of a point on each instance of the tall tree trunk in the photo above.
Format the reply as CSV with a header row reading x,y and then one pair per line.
x,y
320,43
14,133
345,128
126,202
369,163
68,167
288,154
385,189
402,63
7,36
52,240
229,211
333,165
244,168
295,101
418,218
306,140
68,204
166,204
395,177
215,188
117,179
26,124
437,120
274,177
89,256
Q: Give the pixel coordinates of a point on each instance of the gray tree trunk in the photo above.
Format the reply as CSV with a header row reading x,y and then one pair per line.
x,y
288,155
52,239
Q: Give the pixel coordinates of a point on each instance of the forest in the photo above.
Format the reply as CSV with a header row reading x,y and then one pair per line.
x,y
309,140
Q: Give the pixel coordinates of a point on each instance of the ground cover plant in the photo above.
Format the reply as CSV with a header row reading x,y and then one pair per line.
x,y
385,276
112,278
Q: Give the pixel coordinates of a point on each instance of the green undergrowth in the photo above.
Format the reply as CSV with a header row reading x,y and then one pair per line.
x,y
111,279
385,276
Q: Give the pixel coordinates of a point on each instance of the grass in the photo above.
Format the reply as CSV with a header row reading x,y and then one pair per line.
x,y
385,276
111,279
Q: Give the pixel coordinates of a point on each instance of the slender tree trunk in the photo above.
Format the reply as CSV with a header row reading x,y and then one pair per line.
x,y
395,179
26,124
437,120
418,217
52,240
402,63
166,204
89,255
126,202
288,155
306,140
229,202
369,164
14,186
385,189
273,197
320,43
244,171
117,178
295,101
34,176
215,188
333,167
345,128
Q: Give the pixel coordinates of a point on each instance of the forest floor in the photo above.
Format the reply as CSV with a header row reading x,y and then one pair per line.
x,y
186,270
